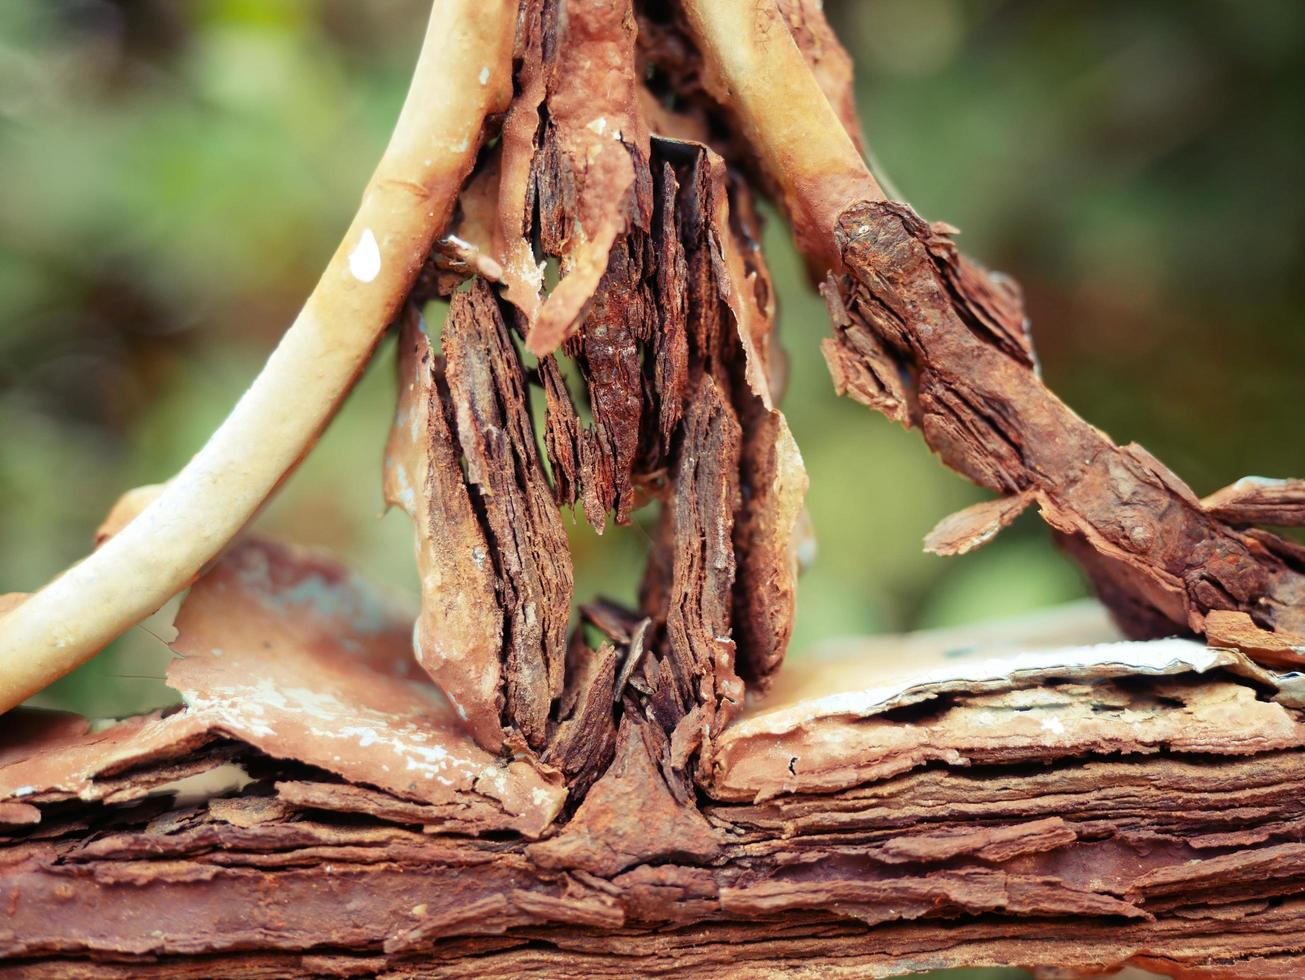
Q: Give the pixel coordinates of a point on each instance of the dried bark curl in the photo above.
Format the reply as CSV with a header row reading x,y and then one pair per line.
x,y
946,344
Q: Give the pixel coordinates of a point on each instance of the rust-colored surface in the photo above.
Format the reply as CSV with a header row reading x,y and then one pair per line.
x,y
484,787
459,632
1237,631
1050,721
1107,818
287,653
1256,500
660,381
910,304
488,406
976,525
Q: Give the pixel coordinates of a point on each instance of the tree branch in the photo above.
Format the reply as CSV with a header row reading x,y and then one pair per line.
x,y
755,68
463,73
932,340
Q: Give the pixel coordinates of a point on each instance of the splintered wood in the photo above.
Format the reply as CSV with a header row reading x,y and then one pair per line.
x,y
934,341
659,385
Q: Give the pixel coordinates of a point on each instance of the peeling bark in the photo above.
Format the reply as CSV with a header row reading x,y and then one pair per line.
x,y
1160,559
514,799
523,528
694,683
676,367
1255,500
1132,811
459,632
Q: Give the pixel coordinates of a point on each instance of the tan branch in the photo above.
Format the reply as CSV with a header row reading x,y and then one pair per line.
x,y
755,68
462,75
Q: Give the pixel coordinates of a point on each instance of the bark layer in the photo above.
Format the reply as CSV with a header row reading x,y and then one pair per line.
x,y
662,391
550,804
1161,826
933,341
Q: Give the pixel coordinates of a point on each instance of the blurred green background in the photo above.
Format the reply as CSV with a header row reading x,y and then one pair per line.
x,y
173,175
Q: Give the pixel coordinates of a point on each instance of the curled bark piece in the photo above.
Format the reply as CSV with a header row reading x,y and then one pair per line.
x,y
458,637
1257,500
671,342
835,720
731,318
772,477
694,684
582,743
1129,811
1156,556
620,322
598,142
404,208
292,653
976,525
715,305
1237,631
523,527
564,433
766,535
286,651
859,364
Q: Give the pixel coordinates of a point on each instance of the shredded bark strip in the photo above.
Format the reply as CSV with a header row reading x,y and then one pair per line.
x,y
910,306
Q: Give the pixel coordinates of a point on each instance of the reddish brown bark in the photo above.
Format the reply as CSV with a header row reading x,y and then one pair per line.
x,y
663,392
547,805
936,342
1153,820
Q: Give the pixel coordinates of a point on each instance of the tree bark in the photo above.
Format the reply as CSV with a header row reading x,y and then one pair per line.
x,y
525,794
900,804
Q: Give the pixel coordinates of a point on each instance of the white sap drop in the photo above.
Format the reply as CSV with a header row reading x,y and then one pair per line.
x,y
365,259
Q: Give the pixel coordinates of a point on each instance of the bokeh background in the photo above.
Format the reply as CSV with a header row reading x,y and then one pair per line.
x,y
173,175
